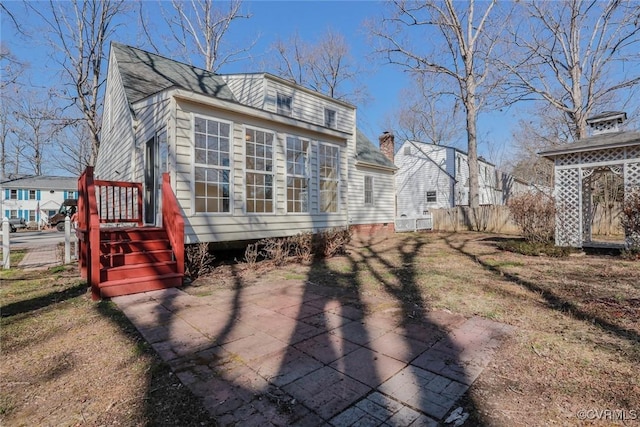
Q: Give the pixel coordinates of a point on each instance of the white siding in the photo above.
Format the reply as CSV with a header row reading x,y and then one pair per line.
x,y
417,174
237,225
116,138
307,107
247,88
383,209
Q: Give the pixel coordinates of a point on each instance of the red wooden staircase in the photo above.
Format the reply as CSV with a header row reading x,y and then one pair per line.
x,y
122,257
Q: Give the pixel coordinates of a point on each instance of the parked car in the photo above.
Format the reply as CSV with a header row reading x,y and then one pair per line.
x,y
15,223
69,207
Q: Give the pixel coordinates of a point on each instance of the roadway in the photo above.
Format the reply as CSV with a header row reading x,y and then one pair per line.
x,y
34,239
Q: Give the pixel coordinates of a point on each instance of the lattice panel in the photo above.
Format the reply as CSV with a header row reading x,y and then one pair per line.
x,y
586,208
568,159
633,152
568,227
603,155
631,175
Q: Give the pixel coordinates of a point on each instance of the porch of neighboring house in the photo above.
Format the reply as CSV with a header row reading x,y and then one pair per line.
x,y
117,253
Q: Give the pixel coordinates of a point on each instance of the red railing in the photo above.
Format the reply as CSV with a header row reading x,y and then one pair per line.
x,y
119,201
173,222
88,232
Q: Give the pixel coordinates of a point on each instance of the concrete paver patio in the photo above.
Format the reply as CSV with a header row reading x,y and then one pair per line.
x,y
297,353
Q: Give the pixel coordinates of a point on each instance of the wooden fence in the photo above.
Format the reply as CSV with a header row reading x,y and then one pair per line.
x,y
495,219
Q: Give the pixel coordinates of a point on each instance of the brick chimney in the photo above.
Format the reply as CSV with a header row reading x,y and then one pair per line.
x,y
387,144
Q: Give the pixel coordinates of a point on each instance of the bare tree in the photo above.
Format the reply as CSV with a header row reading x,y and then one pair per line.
x,y
325,66
9,92
575,56
36,129
426,115
200,27
453,41
79,31
74,157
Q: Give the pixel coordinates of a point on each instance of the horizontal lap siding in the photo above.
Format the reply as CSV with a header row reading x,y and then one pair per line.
x,y
309,108
247,88
238,225
153,116
117,139
383,208
416,175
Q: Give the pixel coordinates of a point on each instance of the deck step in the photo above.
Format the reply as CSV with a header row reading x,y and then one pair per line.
x,y
137,270
131,258
114,288
132,233
130,246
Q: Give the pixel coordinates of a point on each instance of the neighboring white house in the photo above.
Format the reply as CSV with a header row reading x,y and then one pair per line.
x,y
433,176
36,198
249,155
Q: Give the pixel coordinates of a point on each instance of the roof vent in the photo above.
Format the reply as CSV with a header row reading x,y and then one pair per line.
x,y
607,122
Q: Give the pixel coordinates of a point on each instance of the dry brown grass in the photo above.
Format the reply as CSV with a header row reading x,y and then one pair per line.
x,y
69,361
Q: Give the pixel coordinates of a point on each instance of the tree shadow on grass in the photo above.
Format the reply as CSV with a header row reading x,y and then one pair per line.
x,y
26,306
554,301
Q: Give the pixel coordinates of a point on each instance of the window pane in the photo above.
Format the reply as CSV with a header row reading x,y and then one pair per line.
x,y
212,159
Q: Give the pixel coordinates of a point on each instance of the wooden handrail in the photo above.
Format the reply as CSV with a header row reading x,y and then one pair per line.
x,y
173,222
89,230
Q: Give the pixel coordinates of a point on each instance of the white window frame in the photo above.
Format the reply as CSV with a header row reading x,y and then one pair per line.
x,y
368,192
206,166
303,176
280,105
13,214
329,121
13,194
265,173
433,193
33,193
321,145
32,215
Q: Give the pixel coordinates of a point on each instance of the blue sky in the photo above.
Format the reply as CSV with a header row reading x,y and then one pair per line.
x,y
280,19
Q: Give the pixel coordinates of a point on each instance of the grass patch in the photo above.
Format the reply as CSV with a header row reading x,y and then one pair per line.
x,y
535,249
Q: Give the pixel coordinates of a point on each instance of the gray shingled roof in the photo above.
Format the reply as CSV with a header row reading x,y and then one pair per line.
x,y
43,182
366,152
144,73
596,142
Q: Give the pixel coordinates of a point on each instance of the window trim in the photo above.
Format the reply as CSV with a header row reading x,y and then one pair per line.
x,y
282,95
339,180
371,201
434,193
273,171
30,192
193,165
329,124
306,176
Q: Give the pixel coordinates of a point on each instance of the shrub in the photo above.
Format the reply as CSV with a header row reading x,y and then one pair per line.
x,y
631,219
534,214
333,241
198,260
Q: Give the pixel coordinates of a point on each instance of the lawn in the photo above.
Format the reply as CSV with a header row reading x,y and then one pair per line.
x,y
67,360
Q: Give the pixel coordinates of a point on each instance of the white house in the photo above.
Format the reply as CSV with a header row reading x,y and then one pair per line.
x,y
36,198
249,155
433,176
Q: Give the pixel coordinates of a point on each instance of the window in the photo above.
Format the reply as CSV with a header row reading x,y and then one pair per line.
x,y
32,194
32,215
284,104
431,197
297,175
14,195
328,160
13,214
212,161
70,194
368,190
259,171
330,118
